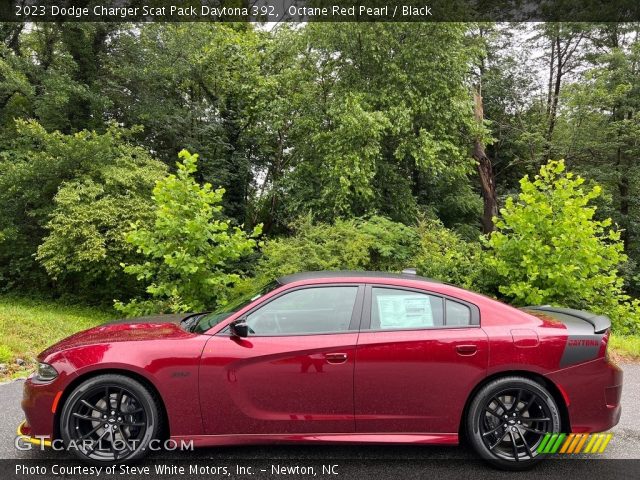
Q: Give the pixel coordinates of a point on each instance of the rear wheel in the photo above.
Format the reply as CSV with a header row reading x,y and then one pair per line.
x,y
508,419
109,418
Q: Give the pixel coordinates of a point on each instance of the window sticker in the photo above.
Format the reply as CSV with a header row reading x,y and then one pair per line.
x,y
404,311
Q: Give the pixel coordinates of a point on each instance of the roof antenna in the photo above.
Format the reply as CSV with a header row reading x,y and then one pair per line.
x,y
409,271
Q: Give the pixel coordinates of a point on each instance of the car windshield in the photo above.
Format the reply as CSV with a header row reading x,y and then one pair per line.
x,y
213,318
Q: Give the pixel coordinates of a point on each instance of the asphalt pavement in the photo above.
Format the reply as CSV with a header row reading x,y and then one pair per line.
x,y
407,460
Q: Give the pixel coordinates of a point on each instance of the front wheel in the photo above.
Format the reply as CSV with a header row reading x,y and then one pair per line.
x,y
109,419
508,419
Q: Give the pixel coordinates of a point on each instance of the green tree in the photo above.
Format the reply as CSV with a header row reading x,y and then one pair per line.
x,y
198,91
548,247
598,131
50,71
371,120
66,199
514,106
16,91
190,250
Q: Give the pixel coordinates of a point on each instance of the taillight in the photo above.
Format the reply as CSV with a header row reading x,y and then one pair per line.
x,y
604,352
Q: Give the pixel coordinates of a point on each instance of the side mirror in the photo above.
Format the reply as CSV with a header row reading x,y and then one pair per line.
x,y
239,328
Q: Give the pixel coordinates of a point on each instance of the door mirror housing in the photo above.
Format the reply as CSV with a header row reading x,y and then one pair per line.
x,y
239,328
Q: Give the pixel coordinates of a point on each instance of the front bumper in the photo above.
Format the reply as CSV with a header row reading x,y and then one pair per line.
x,y
39,403
593,391
24,433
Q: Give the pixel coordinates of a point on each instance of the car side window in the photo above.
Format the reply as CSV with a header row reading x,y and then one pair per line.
x,y
457,314
306,311
394,309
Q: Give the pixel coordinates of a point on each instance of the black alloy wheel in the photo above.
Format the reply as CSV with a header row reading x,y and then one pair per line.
x,y
508,419
109,418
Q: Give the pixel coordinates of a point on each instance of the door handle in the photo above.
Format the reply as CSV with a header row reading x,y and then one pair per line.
x,y
466,350
335,358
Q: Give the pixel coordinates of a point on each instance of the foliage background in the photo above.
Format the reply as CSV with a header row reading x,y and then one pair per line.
x,y
327,146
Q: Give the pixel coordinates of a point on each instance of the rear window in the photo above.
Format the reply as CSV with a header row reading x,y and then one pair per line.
x,y
457,314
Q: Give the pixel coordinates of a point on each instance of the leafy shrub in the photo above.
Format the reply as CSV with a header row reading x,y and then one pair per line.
x,y
354,244
445,256
190,250
85,244
66,202
378,244
548,248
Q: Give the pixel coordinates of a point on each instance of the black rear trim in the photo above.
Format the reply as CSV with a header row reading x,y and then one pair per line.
x,y
601,323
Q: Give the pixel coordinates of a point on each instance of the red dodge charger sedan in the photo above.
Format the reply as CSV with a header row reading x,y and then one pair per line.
x,y
332,357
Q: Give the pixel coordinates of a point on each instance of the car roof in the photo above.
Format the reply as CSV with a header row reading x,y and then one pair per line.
x,y
297,277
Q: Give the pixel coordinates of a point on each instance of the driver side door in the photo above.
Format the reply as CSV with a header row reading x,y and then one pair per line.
x,y
293,373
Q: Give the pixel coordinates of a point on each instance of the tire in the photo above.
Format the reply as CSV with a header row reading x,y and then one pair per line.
x,y
527,410
123,432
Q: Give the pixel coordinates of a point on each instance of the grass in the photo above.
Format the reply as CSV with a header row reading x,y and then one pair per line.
x,y
625,347
28,326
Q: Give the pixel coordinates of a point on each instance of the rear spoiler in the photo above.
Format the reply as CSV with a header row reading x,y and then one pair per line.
x,y
601,323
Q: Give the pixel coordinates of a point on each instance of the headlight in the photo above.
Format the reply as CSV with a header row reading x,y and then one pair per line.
x,y
45,372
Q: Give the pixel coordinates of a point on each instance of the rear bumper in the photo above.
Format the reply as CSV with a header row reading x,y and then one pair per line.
x,y
593,391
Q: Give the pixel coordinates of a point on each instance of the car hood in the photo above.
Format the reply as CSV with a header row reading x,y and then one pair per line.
x,y
127,330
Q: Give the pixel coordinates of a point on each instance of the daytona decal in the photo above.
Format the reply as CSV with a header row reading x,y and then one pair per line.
x,y
580,348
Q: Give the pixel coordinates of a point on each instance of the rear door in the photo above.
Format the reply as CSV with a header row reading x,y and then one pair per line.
x,y
293,373
419,355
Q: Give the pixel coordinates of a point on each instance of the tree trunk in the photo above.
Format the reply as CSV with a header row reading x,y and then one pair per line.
x,y
485,171
553,108
14,41
623,191
552,68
